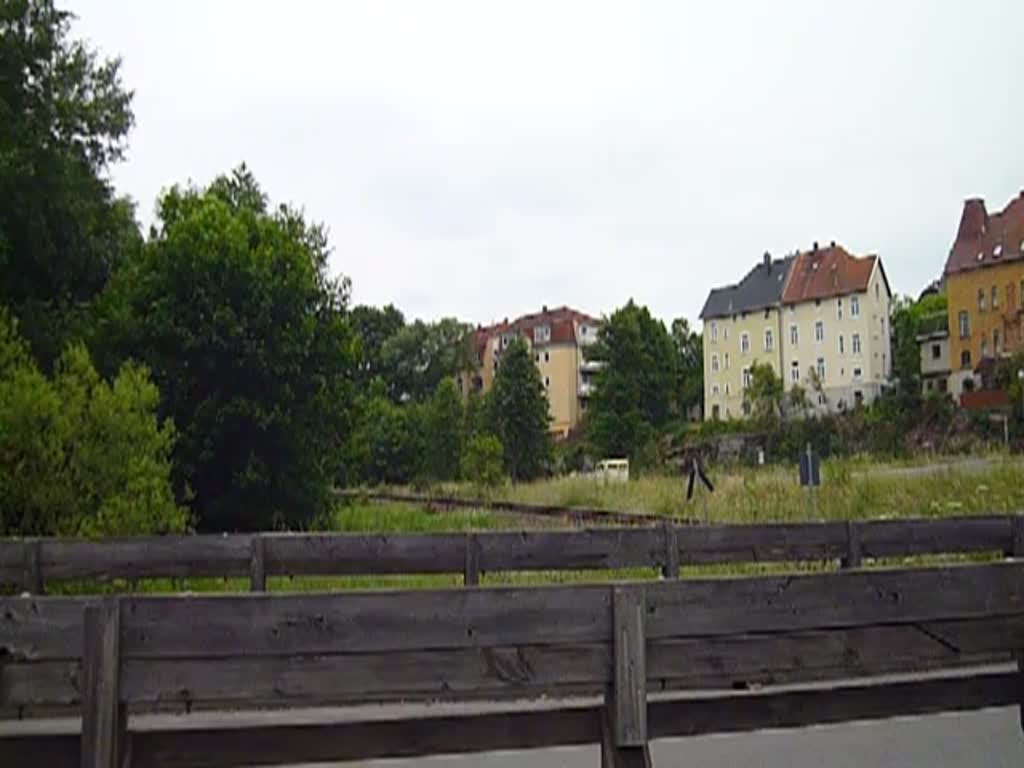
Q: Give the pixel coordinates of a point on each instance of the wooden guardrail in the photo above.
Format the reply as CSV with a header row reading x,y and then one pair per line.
x,y
111,655
30,564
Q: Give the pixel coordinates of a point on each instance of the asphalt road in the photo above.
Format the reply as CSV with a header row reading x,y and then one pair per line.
x,y
987,739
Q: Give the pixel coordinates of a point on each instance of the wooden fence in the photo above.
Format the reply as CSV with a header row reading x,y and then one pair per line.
x,y
30,564
110,655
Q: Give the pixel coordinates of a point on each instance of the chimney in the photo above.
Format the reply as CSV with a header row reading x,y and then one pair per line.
x,y
767,259
974,220
815,246
544,309
832,244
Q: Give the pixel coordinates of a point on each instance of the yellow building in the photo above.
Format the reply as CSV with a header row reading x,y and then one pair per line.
x,y
819,318
985,288
742,325
836,328
557,339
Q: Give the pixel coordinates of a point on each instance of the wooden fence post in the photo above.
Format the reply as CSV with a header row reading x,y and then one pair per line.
x,y
104,741
853,557
1017,545
32,576
471,574
624,723
257,564
670,570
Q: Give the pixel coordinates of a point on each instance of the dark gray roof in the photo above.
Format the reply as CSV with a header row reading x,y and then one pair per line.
x,y
762,287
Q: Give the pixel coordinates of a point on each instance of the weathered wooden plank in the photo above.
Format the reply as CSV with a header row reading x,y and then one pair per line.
x,y
519,671
794,709
471,573
766,604
954,535
338,742
346,554
146,557
1017,545
629,691
589,549
52,751
216,626
257,565
712,544
614,755
41,627
103,720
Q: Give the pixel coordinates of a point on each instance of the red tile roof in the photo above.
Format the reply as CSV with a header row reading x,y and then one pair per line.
x,y
826,272
563,322
984,240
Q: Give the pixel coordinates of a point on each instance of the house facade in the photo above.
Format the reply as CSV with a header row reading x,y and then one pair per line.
x,y
836,328
557,339
933,342
742,326
819,318
985,288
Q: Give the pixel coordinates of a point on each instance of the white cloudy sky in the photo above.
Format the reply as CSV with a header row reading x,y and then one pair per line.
x,y
481,159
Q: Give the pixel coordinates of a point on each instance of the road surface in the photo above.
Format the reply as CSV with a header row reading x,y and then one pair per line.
x,y
986,739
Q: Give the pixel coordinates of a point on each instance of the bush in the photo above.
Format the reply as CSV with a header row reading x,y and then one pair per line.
x,y
482,461
78,455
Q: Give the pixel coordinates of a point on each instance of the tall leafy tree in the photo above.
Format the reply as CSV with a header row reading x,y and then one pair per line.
x,y
64,118
764,398
519,413
231,308
635,389
689,366
416,359
374,328
443,432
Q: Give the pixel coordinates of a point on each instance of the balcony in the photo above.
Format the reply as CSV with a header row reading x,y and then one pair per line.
x,y
591,366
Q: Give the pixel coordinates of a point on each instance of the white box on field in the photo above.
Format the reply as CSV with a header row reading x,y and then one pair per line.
x,y
613,470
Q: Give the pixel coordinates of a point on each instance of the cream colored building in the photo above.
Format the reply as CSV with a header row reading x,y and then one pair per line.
x,y
820,319
836,325
556,339
741,327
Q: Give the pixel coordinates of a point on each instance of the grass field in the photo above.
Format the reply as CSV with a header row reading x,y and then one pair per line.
x,y
851,490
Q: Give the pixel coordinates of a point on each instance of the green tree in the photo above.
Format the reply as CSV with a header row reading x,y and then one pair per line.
x,y
909,319
64,118
231,308
443,432
416,359
374,327
763,399
689,348
78,455
519,413
634,390
386,440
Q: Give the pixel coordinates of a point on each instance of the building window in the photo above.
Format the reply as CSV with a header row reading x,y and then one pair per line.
x,y
794,372
857,373
995,341
714,412
819,331
745,343
854,306
583,405
842,345
936,351
547,357
981,299
726,366
728,390
746,378
769,340
536,358
839,309
725,332
547,382
984,345
856,343
821,369
714,391
794,335
714,333
943,384
965,324
541,334
965,359
714,363
877,292
995,297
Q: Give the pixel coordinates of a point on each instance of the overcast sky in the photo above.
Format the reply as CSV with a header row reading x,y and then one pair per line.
x,y
481,159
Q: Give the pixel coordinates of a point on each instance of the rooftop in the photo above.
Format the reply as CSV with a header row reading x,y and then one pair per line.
x,y
984,240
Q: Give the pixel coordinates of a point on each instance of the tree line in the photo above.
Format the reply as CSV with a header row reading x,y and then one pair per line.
x,y
211,373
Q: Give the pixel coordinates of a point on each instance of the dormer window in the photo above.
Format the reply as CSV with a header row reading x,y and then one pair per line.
x,y
997,251
981,255
541,334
